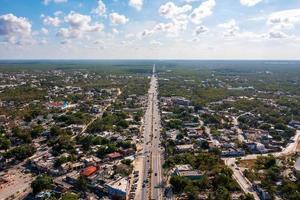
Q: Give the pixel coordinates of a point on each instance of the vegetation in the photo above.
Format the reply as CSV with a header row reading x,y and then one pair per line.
x,y
42,182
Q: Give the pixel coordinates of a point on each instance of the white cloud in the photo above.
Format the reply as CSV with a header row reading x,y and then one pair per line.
x,y
285,19
277,35
100,10
44,31
190,1
14,29
171,11
58,13
78,25
231,28
47,2
82,22
137,4
117,18
156,43
204,10
115,31
51,21
249,3
200,30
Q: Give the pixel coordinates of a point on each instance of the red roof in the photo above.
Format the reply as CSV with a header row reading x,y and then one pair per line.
x,y
89,171
56,104
114,155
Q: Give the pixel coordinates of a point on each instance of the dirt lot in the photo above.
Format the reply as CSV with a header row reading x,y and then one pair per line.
x,y
14,184
246,163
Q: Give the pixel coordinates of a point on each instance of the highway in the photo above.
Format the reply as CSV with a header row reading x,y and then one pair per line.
x,y
156,150
150,159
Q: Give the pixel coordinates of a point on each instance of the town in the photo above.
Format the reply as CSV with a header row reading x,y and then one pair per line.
x,y
149,132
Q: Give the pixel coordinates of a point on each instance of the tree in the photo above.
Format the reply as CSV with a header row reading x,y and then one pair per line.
x,y
69,196
21,152
36,131
222,194
4,143
42,182
192,192
247,197
178,183
82,183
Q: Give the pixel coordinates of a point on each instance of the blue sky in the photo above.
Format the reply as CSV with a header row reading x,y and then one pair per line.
x,y
149,29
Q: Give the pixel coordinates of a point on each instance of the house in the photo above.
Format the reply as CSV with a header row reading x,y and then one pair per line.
x,y
295,124
91,160
127,152
57,105
256,147
233,153
188,172
118,189
185,148
89,171
114,156
263,195
181,101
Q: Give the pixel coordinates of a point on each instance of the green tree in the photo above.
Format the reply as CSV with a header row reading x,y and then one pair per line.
x,y
4,143
179,183
82,183
69,196
42,182
222,194
192,192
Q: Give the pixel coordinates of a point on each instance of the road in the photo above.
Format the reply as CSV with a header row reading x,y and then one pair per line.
x,y
156,150
238,175
150,159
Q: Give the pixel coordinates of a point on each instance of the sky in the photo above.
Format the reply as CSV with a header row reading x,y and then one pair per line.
x,y
149,29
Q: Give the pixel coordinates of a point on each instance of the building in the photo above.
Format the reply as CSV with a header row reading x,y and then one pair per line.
x,y
114,156
181,101
89,171
256,147
263,195
188,172
233,153
117,189
295,124
185,148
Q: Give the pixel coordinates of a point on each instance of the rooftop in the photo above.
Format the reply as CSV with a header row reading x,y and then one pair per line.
x,y
120,184
89,171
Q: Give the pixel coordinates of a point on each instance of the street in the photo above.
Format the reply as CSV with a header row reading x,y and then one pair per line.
x,y
150,175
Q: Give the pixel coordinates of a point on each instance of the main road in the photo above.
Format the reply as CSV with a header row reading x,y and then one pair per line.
x,y
156,150
150,175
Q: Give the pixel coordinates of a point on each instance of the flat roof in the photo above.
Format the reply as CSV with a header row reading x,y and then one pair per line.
x,y
120,184
190,173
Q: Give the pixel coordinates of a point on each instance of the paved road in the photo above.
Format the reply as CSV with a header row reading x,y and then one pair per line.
x,y
238,175
151,154
156,150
